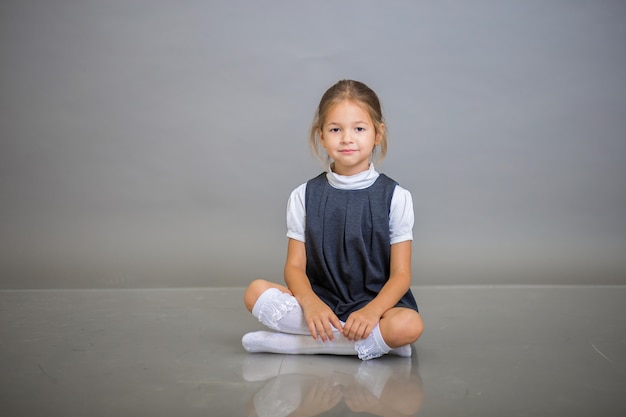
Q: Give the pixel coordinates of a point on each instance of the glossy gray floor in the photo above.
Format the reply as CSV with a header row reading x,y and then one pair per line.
x,y
500,351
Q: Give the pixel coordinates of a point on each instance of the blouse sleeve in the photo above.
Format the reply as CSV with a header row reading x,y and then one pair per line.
x,y
401,216
296,214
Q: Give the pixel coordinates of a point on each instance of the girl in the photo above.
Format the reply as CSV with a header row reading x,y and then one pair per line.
x,y
348,268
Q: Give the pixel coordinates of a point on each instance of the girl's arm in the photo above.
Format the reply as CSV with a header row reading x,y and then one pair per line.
x,y
317,314
361,322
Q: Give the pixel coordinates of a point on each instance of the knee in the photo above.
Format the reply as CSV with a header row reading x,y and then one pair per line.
x,y
258,287
417,327
254,291
404,329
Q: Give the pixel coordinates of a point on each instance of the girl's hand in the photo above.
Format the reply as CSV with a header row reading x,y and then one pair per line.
x,y
319,317
360,324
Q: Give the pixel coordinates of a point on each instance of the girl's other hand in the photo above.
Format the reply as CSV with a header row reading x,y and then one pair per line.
x,y
319,317
360,324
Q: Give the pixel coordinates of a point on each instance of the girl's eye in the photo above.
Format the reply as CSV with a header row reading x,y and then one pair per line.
x,y
334,129
360,129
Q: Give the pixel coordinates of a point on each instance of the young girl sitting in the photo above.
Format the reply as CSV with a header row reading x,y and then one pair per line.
x,y
348,267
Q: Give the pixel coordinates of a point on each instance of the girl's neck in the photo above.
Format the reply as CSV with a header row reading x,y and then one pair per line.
x,y
347,172
362,180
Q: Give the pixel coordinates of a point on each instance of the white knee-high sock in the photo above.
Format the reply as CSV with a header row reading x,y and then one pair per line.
x,y
273,342
280,311
285,343
374,346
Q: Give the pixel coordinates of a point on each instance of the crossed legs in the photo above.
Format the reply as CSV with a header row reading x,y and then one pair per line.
x,y
274,306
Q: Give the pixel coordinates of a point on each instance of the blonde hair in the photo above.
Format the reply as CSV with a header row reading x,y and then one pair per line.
x,y
361,95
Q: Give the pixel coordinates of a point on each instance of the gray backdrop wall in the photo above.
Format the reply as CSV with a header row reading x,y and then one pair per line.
x,y
154,143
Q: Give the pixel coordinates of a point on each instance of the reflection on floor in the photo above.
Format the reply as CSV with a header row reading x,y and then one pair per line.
x,y
312,385
519,351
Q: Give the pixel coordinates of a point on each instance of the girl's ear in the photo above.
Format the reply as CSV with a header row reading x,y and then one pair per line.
x,y
321,136
379,134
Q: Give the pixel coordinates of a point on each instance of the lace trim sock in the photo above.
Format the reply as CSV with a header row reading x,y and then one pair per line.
x,y
273,342
404,351
373,347
280,311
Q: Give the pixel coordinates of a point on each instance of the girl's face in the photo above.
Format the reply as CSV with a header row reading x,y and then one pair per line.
x,y
349,137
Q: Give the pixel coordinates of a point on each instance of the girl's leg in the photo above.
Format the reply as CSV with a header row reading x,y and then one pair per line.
x,y
285,343
258,287
278,309
401,326
275,307
397,329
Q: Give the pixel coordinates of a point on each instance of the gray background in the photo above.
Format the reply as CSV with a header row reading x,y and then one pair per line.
x,y
154,143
